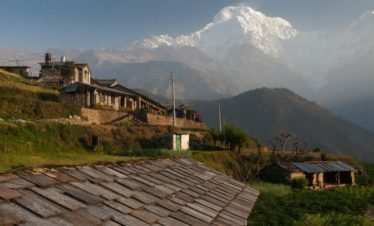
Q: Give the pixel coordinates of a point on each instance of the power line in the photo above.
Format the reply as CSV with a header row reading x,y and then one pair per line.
x,y
173,91
219,118
15,60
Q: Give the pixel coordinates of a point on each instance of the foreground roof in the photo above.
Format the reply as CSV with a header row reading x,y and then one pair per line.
x,y
316,166
158,192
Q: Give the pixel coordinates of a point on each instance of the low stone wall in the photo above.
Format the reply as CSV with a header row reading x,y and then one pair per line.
x,y
99,116
163,120
93,116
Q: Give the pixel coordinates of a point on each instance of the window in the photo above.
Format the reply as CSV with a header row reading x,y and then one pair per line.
x,y
112,100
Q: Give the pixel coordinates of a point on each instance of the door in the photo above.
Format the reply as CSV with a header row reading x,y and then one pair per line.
x,y
178,142
122,101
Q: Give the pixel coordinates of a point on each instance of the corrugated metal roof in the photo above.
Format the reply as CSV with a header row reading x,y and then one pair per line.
x,y
316,166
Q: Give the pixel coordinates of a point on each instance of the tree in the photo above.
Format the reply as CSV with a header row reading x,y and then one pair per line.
x,y
286,147
234,137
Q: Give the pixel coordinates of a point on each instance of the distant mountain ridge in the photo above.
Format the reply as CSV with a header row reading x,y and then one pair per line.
x,y
243,49
265,113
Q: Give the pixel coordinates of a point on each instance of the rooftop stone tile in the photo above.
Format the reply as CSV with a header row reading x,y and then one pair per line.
x,y
176,192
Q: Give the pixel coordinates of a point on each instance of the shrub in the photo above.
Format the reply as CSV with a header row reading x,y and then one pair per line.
x,y
274,175
299,183
340,206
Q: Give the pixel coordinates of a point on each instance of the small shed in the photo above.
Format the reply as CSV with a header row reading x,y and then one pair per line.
x,y
181,141
320,174
176,141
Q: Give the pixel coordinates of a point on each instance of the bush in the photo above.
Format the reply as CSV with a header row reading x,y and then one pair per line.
x,y
340,206
274,175
300,183
366,177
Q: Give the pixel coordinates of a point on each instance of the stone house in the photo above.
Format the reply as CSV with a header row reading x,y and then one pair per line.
x,y
319,174
143,102
59,73
88,96
88,92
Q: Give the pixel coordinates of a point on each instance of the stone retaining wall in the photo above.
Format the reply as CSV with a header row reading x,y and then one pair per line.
x,y
163,120
99,116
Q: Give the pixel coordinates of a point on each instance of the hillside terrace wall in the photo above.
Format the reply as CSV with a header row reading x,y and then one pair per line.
x,y
162,120
93,116
99,116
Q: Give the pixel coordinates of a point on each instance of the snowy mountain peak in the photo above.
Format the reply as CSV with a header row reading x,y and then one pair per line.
x,y
154,42
233,25
251,19
365,18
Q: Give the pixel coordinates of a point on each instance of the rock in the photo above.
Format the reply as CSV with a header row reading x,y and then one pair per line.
x,y
77,117
20,121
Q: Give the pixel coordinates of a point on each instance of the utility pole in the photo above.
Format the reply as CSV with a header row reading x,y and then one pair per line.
x,y
219,118
173,94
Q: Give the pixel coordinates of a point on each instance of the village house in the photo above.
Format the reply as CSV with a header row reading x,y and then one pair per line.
x,y
58,73
24,71
319,174
90,95
78,88
177,141
143,102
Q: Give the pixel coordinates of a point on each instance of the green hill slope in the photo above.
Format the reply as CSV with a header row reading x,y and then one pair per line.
x,y
22,98
265,113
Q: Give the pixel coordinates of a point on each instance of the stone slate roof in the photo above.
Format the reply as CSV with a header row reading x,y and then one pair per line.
x,y
157,192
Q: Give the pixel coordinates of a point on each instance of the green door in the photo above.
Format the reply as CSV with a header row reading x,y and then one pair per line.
x,y
178,142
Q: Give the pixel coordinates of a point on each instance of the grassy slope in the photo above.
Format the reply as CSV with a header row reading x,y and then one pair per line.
x,y
222,161
22,98
39,144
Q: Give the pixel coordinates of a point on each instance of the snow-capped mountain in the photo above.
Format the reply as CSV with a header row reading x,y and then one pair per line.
x,y
239,50
233,25
262,51
310,54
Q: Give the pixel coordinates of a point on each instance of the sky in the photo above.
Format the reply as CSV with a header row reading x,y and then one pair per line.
x,y
37,25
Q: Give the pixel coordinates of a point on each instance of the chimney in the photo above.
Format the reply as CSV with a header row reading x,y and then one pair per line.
x,y
48,58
